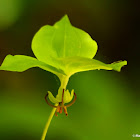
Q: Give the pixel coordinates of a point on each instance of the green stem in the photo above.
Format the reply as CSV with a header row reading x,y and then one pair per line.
x,y
48,123
64,81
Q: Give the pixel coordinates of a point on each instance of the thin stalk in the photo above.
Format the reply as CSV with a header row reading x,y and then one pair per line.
x,y
64,81
48,123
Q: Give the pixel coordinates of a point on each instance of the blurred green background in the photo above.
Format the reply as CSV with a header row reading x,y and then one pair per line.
x,y
108,103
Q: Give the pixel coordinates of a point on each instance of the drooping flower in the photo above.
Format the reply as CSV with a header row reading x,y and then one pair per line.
x,y
61,99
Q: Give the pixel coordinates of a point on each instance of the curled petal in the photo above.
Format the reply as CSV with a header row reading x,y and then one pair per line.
x,y
52,98
75,97
48,102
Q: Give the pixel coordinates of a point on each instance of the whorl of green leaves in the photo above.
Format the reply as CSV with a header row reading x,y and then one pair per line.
x,y
61,49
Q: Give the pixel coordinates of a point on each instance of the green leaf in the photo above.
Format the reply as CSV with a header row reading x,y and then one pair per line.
x,y
78,64
61,49
20,63
60,41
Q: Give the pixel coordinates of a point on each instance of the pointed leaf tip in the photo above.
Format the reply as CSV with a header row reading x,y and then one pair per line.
x,y
118,65
65,17
64,20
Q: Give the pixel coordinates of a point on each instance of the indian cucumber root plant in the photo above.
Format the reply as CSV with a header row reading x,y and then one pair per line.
x,y
63,50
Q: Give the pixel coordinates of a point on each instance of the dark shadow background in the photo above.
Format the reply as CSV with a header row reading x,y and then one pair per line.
x,y
108,102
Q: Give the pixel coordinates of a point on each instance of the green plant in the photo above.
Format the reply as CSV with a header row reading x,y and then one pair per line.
x,y
63,50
